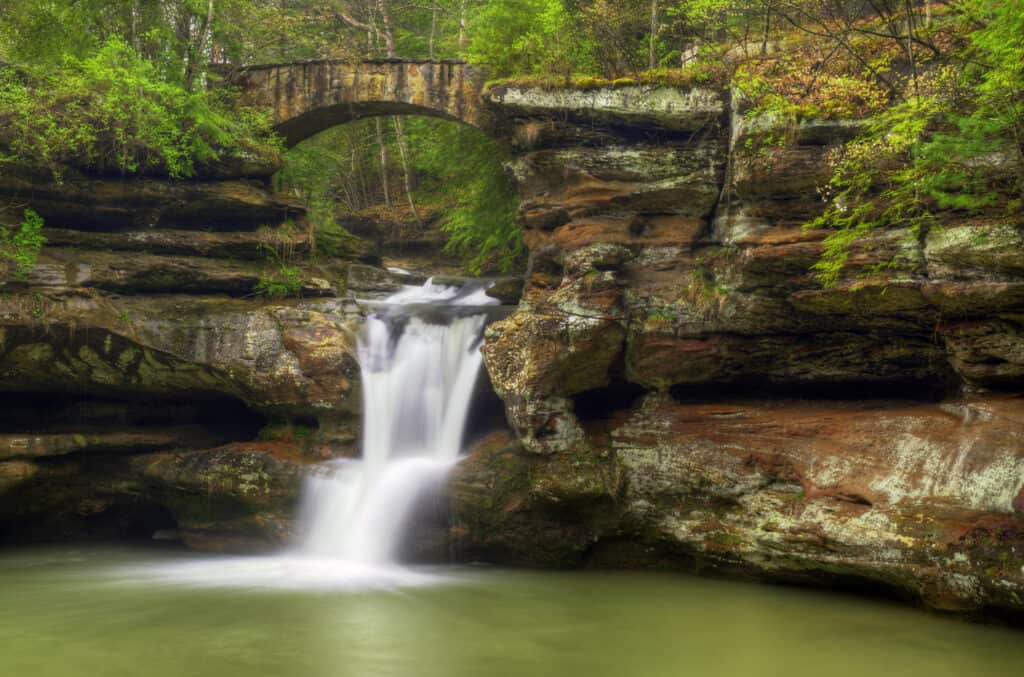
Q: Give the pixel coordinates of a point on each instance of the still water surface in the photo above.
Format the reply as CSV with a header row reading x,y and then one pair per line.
x,y
71,612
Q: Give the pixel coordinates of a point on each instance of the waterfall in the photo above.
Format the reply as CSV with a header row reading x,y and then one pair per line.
x,y
419,358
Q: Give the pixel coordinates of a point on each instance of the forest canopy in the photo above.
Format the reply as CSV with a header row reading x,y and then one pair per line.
x,y
134,87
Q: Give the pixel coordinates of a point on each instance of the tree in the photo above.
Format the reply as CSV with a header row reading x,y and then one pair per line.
x,y
952,144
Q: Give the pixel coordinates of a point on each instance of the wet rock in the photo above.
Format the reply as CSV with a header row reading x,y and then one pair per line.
x,y
143,273
508,290
985,249
547,355
112,204
168,242
241,497
294,358
498,516
912,497
987,353
648,321
363,278
35,446
236,498
14,473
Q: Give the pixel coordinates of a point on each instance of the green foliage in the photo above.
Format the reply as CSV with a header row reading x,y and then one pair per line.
x,y
958,144
327,172
114,112
281,283
456,171
20,247
874,183
287,431
466,175
176,36
517,37
282,280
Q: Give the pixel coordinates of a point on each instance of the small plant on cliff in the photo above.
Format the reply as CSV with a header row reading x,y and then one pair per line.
x,y
282,281
20,246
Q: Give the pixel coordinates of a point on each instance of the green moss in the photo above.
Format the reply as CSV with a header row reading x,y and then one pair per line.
x,y
552,83
127,357
285,431
20,246
660,316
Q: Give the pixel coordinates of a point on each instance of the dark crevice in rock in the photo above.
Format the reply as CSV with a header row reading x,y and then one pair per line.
x,y
853,390
547,263
122,520
600,404
48,426
307,422
487,411
79,499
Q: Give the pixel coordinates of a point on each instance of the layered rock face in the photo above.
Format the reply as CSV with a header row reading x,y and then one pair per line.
x,y
686,394
682,391
147,386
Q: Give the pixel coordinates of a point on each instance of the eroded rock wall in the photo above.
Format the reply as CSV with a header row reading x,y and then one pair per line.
x,y
687,394
683,391
147,386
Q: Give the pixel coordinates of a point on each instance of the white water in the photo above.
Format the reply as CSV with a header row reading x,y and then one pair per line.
x,y
419,370
420,359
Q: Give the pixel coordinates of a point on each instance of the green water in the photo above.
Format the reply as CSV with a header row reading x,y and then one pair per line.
x,y
75,612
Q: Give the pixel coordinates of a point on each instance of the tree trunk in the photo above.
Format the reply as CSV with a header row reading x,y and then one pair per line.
x,y
767,29
383,163
197,48
433,27
388,33
400,135
462,25
652,52
134,35
910,46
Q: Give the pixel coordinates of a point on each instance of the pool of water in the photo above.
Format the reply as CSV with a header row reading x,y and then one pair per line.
x,y
90,612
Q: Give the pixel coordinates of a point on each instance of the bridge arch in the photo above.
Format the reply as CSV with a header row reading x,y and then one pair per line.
x,y
308,97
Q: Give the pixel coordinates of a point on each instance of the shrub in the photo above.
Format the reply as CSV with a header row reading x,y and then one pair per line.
x,y
20,247
114,112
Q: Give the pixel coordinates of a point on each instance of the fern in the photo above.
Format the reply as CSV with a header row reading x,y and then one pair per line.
x,y
20,247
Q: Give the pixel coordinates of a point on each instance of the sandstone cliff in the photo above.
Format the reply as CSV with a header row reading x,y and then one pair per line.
x,y
682,392
686,394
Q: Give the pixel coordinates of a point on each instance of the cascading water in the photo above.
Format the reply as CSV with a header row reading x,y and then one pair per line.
x,y
420,359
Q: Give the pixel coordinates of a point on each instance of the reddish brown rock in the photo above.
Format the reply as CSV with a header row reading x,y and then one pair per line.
x,y
919,498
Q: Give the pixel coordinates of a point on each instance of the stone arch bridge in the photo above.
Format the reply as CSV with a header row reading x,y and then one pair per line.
x,y
308,97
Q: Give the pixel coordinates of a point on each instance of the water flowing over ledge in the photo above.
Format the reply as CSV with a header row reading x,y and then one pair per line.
x,y
420,360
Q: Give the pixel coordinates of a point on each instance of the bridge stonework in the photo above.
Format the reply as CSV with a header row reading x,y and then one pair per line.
x,y
309,97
